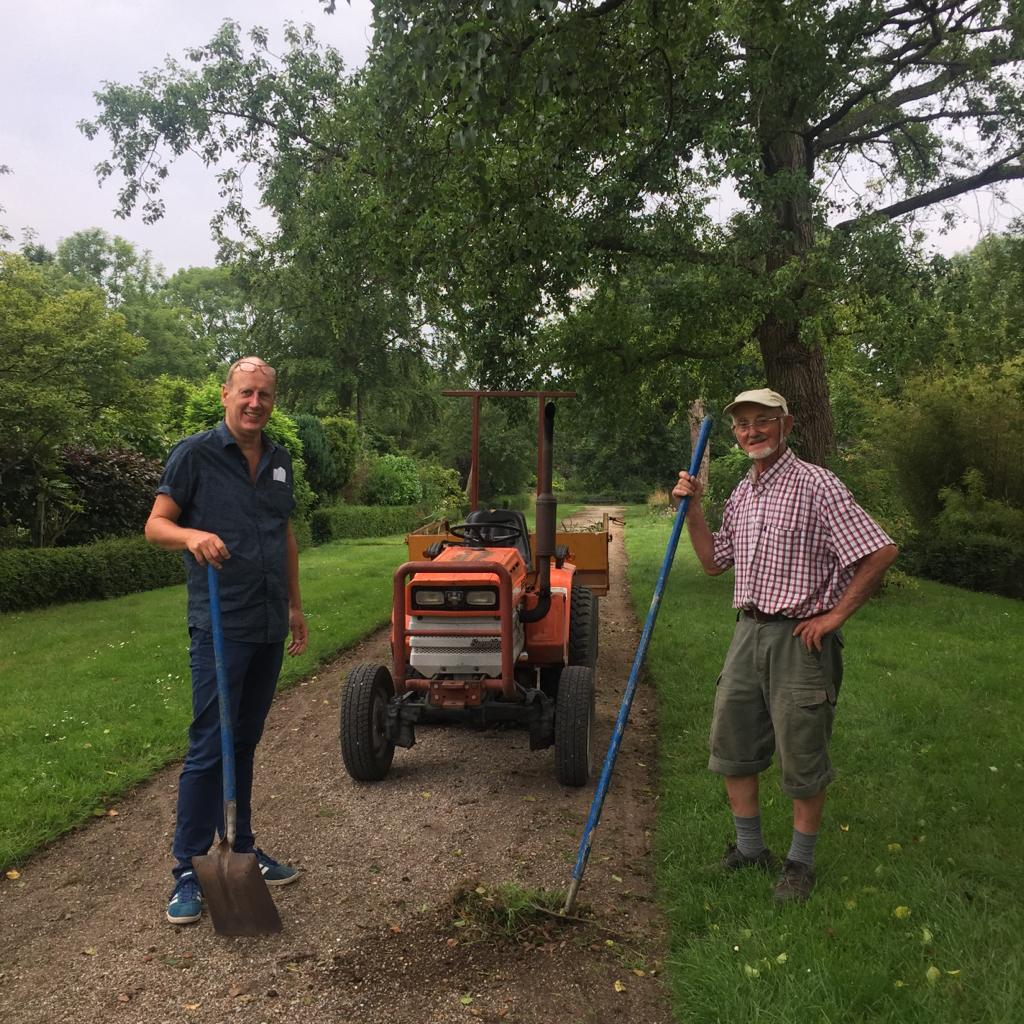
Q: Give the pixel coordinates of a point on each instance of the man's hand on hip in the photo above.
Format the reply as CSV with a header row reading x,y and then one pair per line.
x,y
811,631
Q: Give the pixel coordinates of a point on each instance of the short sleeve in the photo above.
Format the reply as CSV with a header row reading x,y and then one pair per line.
x,y
854,534
178,480
723,553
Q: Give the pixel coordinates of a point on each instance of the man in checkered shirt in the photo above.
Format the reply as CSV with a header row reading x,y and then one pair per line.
x,y
806,556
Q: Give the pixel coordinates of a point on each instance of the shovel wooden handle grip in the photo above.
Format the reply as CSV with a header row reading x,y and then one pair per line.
x,y
227,735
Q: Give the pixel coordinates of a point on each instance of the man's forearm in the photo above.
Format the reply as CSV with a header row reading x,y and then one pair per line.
x,y
866,579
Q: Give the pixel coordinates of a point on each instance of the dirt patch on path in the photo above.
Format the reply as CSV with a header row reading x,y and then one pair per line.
x,y
374,931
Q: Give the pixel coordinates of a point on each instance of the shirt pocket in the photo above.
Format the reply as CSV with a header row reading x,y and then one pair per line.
x,y
782,550
277,502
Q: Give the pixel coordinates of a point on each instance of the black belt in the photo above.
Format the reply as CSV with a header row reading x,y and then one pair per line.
x,y
759,616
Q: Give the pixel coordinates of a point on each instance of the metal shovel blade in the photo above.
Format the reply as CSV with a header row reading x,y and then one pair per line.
x,y
236,895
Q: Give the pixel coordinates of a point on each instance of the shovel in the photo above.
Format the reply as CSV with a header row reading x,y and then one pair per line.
x,y
238,898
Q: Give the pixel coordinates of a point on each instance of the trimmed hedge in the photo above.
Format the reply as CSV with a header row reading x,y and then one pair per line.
x,y
34,578
337,521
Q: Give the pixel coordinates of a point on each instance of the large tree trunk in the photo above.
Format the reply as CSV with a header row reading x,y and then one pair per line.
x,y
791,368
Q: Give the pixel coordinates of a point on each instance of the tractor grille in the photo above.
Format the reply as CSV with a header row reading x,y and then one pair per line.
x,y
476,646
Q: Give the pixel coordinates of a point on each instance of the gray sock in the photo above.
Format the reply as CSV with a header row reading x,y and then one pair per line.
x,y
802,847
749,840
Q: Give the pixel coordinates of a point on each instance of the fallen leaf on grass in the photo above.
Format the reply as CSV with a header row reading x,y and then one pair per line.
x,y
926,935
901,913
844,828
751,972
953,974
933,974
619,987
894,848
639,973
13,875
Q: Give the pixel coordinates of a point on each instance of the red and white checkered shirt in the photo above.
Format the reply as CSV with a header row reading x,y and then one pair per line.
x,y
794,535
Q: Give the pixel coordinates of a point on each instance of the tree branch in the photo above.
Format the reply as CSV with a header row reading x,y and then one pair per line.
x,y
1002,170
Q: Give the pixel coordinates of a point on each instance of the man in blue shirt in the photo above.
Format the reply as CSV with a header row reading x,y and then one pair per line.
x,y
224,500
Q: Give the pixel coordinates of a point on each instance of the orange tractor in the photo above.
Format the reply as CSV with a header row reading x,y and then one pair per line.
x,y
489,625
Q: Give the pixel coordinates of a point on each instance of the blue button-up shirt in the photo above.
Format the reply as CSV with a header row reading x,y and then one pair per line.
x,y
207,476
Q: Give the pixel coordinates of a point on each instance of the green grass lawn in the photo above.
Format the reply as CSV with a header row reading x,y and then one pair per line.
x,y
918,911
94,697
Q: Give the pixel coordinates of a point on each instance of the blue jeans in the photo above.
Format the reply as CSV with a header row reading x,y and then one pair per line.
x,y
252,671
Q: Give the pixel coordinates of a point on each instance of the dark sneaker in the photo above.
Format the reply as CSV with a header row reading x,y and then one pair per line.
x,y
186,904
795,883
733,860
274,873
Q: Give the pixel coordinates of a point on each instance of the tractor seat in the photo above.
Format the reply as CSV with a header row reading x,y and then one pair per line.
x,y
482,518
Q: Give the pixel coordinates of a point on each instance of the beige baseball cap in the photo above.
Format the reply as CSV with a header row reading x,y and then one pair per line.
x,y
761,396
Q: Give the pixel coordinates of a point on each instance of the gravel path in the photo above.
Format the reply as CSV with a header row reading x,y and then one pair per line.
x,y
376,931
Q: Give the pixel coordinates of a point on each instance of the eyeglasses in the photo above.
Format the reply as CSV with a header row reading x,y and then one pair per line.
x,y
761,423
246,366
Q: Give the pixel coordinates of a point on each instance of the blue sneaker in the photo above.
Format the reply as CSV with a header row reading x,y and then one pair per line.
x,y
274,873
186,904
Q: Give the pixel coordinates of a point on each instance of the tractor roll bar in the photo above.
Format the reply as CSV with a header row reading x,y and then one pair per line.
x,y
401,630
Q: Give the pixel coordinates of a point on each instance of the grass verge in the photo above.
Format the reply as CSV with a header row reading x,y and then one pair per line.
x,y
94,697
917,913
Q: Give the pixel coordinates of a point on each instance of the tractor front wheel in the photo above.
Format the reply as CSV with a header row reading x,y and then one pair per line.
x,y
574,725
365,747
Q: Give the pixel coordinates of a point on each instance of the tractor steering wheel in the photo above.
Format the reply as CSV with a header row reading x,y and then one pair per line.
x,y
497,534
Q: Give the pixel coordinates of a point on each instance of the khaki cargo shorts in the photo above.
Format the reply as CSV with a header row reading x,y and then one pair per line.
x,y
774,694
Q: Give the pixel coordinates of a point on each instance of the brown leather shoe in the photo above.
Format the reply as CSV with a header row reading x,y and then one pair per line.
x,y
795,883
733,860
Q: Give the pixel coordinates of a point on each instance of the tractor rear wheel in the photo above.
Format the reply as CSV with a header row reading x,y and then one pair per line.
x,y
574,725
583,627
365,747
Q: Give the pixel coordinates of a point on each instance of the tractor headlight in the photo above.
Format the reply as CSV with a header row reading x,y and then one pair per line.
x,y
423,598
454,599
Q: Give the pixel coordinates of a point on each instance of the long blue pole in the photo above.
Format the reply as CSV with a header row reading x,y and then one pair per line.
x,y
627,700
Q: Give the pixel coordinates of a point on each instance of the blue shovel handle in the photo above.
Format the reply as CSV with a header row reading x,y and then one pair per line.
x,y
227,736
627,700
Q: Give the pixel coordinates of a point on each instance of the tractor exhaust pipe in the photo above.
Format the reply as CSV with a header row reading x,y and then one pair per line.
x,y
544,527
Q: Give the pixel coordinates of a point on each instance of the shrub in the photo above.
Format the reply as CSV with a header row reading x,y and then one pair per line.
x,y
443,497
724,473
323,472
392,480
974,542
336,521
115,489
39,577
342,437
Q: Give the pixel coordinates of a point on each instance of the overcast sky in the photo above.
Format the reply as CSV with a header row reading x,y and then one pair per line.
x,y
54,54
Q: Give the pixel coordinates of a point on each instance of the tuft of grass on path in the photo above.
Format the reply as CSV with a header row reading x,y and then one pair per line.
x,y
95,697
917,914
